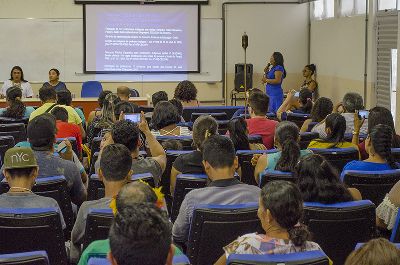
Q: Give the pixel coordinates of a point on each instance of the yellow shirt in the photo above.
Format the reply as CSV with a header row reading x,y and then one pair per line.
x,y
325,145
73,117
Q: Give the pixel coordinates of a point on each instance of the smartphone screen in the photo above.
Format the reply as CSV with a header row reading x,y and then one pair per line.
x,y
363,114
133,117
62,147
297,94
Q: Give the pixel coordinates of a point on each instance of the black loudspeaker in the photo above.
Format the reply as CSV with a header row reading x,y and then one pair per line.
x,y
239,76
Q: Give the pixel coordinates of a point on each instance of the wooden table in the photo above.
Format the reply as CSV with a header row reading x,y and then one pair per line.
x,y
88,104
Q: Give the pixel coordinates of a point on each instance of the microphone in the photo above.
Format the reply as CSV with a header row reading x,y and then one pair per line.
x,y
245,41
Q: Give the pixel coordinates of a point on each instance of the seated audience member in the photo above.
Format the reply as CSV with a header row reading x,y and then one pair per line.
x,y
65,129
54,81
186,92
179,107
48,97
192,163
41,133
319,182
377,115
259,123
124,93
239,135
17,79
287,142
123,107
220,163
128,133
376,251
129,196
100,100
310,83
20,170
352,102
141,234
302,104
378,146
280,210
335,129
321,108
387,211
115,172
64,98
164,120
172,144
16,108
158,97
105,120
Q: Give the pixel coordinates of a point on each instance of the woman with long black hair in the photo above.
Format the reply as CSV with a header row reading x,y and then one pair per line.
x,y
17,79
273,79
16,108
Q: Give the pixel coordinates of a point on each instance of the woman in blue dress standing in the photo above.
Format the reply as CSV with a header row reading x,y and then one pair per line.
x,y
273,79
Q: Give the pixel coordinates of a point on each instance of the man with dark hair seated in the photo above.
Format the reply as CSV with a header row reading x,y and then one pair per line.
x,y
127,133
124,93
115,172
258,123
158,97
64,98
20,169
42,134
65,129
220,164
141,234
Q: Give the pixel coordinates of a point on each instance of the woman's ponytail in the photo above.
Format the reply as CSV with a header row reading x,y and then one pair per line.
x,y
290,155
299,234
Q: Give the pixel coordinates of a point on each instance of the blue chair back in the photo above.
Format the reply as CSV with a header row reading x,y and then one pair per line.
x,y
215,226
146,177
338,227
16,130
229,110
373,185
91,89
361,244
134,93
222,126
255,139
244,157
395,236
306,138
32,229
6,142
98,261
271,175
184,184
297,118
316,257
219,116
53,187
180,260
25,258
98,224
338,157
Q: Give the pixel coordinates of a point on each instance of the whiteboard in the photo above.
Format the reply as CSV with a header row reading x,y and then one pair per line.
x,y
40,44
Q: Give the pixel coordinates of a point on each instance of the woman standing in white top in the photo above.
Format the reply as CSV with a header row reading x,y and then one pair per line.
x,y
17,79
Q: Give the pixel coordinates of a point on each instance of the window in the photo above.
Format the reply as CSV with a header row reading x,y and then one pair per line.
x,y
323,9
352,7
387,4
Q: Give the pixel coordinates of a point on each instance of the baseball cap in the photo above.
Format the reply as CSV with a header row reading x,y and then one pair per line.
x,y
19,157
41,132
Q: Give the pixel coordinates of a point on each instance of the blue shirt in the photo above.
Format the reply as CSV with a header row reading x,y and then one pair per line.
x,y
60,86
275,89
27,113
366,166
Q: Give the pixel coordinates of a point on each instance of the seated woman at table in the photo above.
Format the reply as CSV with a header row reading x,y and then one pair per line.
x,y
97,112
164,121
322,108
54,82
17,79
16,108
335,127
186,92
280,210
301,104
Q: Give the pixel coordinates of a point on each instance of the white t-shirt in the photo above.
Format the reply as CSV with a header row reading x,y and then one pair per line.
x,y
25,86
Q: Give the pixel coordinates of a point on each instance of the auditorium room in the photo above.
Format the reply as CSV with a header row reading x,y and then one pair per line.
x,y
178,132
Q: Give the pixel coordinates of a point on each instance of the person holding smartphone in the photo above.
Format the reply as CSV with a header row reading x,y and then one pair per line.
x,y
274,74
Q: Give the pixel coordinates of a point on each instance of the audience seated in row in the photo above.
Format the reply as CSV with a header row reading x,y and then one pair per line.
x,y
16,108
192,163
100,100
127,133
321,108
48,97
64,97
115,171
124,93
238,132
220,163
41,133
280,210
21,170
258,123
287,142
164,121
186,92
302,104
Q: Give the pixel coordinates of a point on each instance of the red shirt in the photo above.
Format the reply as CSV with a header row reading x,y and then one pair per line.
x,y
265,128
65,129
